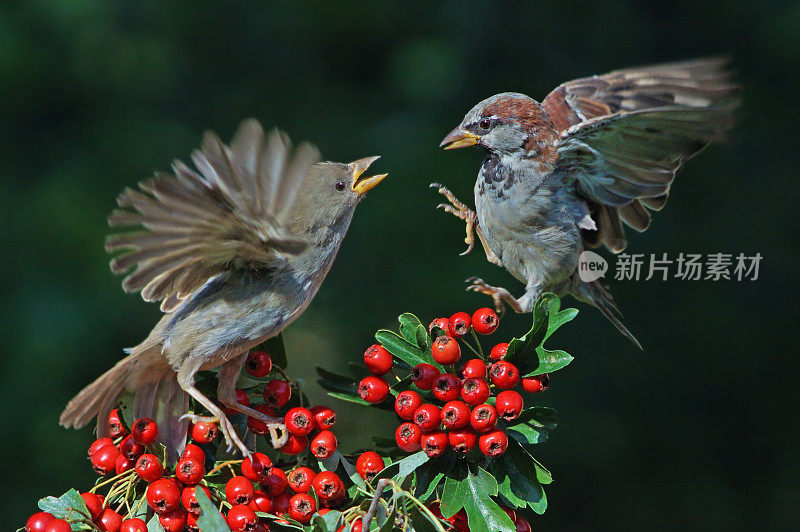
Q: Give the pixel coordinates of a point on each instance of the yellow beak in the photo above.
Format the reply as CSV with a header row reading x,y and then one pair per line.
x,y
459,138
362,184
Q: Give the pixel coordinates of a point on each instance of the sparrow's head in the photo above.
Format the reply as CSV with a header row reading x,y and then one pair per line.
x,y
507,123
332,191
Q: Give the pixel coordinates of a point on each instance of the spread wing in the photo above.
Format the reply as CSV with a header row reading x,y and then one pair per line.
x,y
625,134
226,213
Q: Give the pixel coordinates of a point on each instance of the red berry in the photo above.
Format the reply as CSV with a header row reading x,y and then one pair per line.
x,y
447,387
204,431
499,351
191,450
455,415
241,518
242,399
407,437
462,440
508,404
257,467
441,323
522,525
57,525
104,459
149,467
239,490
300,479
299,421
423,376
328,486
475,391
324,444
115,426
276,484
258,364
493,443
484,321
123,464
130,448
537,383
407,403
174,521
434,443
109,521
302,508
459,324
324,417
189,471
256,425
260,502
94,503
378,360
474,369
280,504
428,417
504,374
483,418
97,444
144,431
373,389
163,495
277,393
369,464
295,445
38,522
189,498
445,350
133,525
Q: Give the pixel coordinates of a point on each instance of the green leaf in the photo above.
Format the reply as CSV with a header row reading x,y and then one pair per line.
x,y
533,425
351,471
409,353
336,383
276,350
516,475
153,525
388,522
454,496
407,465
423,523
326,523
431,474
408,326
210,519
549,361
69,506
483,513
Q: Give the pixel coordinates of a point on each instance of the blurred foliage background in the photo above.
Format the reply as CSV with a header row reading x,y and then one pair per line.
x,y
698,432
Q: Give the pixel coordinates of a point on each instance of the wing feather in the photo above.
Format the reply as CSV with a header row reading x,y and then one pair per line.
x,y
192,225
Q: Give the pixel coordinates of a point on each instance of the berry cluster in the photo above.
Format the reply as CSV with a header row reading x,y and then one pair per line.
x,y
462,409
141,484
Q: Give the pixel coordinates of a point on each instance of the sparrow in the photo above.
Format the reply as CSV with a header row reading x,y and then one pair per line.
x,y
564,175
235,249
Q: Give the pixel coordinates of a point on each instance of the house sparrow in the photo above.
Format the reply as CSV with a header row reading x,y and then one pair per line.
x,y
563,175
235,251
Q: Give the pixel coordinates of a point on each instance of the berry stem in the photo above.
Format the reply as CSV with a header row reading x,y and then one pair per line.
x,y
470,346
221,465
477,341
112,479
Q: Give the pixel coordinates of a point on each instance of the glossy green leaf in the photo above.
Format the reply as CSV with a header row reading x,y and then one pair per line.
x,y
410,353
516,475
153,525
335,382
408,326
549,361
210,519
69,506
328,522
454,496
483,513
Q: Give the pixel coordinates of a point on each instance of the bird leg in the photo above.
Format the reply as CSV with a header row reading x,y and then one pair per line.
x,y
461,211
227,376
499,295
186,381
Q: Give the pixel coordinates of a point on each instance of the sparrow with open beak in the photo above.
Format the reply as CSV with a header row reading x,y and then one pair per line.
x,y
235,251
565,174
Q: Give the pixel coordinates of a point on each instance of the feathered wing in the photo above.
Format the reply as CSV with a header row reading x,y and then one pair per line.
x,y
625,134
194,224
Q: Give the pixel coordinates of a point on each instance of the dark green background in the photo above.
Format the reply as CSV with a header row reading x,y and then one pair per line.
x,y
697,433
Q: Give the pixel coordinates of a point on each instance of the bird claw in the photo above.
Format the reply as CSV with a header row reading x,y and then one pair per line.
x,y
226,428
460,211
497,294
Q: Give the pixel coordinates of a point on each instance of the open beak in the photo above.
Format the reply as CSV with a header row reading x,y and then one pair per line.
x,y
459,138
362,184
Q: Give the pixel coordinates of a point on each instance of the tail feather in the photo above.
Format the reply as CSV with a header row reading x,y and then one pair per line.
x,y
157,396
596,294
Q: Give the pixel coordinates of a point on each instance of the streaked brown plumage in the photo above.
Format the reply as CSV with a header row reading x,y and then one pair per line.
x,y
235,251
565,174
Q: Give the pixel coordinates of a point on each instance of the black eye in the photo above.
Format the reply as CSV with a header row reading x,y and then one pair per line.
x,y
485,123
340,186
